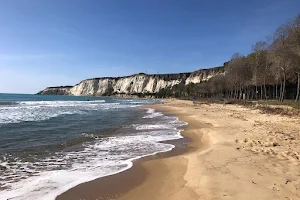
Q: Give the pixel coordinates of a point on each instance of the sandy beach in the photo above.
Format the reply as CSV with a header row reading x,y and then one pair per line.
x,y
234,153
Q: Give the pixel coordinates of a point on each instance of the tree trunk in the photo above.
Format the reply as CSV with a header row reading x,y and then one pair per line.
x,y
280,90
249,93
283,88
265,89
276,92
298,88
235,93
241,93
256,92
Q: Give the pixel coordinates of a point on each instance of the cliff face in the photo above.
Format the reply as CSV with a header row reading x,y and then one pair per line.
x,y
131,85
61,90
203,75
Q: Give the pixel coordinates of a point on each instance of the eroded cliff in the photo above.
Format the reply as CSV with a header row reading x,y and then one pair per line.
x,y
147,84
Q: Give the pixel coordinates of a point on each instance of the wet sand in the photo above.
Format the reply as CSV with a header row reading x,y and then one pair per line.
x,y
114,186
235,153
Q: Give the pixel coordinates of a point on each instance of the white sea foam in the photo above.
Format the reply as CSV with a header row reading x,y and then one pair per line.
x,y
65,103
150,110
173,123
137,102
103,157
109,156
123,99
101,162
157,114
43,110
152,113
153,126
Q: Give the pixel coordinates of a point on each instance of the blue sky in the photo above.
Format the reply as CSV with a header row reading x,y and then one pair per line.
x,y
61,42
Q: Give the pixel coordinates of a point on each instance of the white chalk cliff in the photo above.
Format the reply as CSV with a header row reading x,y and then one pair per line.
x,y
132,85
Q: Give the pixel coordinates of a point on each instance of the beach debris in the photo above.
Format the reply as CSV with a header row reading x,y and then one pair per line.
x,y
295,155
268,144
275,144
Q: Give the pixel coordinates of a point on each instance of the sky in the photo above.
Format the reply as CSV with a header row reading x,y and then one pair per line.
x,y
61,42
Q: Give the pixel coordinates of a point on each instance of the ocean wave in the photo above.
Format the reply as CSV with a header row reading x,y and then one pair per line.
x,y
45,179
6,103
137,102
123,100
104,158
150,110
152,113
154,126
59,102
44,110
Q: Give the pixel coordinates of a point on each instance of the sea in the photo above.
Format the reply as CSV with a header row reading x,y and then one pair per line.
x,y
49,144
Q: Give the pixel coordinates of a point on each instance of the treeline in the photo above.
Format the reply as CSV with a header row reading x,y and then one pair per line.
x,y
270,71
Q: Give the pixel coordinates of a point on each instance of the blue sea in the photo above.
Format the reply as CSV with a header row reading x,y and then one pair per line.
x,y
49,144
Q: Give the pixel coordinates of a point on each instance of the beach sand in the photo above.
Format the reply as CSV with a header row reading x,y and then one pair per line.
x,y
236,153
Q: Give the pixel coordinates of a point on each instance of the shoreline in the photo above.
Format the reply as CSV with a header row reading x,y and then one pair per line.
x,y
235,153
112,185
165,176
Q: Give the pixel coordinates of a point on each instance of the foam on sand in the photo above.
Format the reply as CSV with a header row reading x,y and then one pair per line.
x,y
152,113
